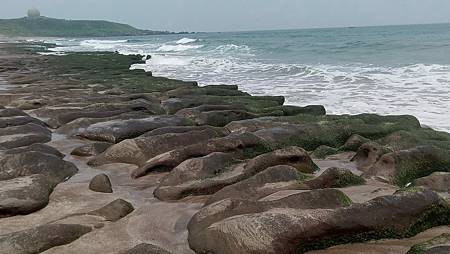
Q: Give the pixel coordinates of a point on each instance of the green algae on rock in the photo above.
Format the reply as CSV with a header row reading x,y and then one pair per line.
x,y
442,241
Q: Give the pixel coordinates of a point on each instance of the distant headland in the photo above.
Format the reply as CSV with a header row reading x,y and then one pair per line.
x,y
35,25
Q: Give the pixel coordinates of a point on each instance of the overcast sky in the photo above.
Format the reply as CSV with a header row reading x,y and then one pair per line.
x,y
233,15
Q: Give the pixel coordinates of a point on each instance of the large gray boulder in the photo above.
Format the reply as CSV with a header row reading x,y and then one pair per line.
x,y
289,110
19,120
91,149
173,158
354,142
287,230
222,117
200,183
139,150
100,110
269,181
101,183
403,167
42,238
284,177
334,178
215,115
114,211
115,131
200,168
23,135
42,148
73,128
252,125
367,155
194,113
438,181
23,195
231,207
53,168
173,105
184,129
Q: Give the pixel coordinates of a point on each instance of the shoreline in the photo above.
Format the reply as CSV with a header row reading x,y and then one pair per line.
x,y
415,87
192,145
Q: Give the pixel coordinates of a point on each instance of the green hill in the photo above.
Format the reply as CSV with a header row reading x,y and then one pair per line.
x,y
50,27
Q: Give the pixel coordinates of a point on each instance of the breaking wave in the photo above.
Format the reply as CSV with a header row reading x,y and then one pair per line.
x,y
369,71
185,41
177,48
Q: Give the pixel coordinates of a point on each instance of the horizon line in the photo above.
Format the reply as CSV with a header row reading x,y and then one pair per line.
x,y
254,30
324,27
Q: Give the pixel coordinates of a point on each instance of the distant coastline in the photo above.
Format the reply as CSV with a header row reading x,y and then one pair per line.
x,y
42,26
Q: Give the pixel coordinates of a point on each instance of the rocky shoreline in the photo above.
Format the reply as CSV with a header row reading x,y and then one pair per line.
x,y
100,159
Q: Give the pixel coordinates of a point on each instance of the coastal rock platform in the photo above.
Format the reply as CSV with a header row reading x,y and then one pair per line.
x,y
97,158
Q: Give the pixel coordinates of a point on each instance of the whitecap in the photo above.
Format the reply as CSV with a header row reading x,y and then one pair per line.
x,y
185,41
233,47
95,42
168,60
177,48
56,53
102,44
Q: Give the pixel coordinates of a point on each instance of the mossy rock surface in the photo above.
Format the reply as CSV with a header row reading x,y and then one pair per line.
x,y
334,130
405,139
347,179
354,142
323,151
435,215
251,152
426,247
302,177
414,165
334,178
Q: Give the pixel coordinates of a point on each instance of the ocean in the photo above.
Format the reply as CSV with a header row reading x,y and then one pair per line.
x,y
384,70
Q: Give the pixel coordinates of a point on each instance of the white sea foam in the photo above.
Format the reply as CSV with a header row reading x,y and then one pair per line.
x,y
169,62
185,41
421,90
96,42
178,48
229,48
102,44
52,53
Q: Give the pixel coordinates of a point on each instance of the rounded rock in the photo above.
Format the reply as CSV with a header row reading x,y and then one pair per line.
x,y
101,183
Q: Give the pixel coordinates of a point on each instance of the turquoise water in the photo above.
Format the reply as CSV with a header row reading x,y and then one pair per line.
x,y
386,70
